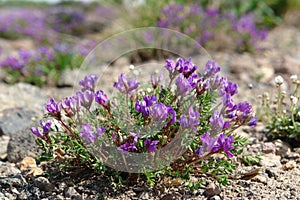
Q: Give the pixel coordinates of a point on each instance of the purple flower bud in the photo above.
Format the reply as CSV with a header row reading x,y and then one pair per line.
x,y
192,121
87,133
36,131
85,98
88,83
170,65
100,130
224,144
101,98
228,101
216,122
45,126
126,86
207,144
231,88
253,121
183,85
150,145
160,111
52,106
129,145
156,80
211,68
144,105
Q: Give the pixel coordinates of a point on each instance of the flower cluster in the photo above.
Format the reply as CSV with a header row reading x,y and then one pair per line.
x,y
188,18
43,23
193,108
42,64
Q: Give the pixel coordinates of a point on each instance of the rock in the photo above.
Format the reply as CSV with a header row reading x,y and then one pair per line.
x,y
260,179
8,169
4,140
70,78
216,197
212,190
268,147
174,196
27,162
26,44
293,155
17,181
43,184
72,193
272,173
291,65
282,148
289,165
241,63
265,72
14,120
22,95
270,160
21,144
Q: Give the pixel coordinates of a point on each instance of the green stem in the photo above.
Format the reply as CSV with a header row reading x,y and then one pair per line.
x,y
279,101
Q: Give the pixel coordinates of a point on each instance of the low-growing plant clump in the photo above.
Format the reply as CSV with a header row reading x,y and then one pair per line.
x,y
179,125
205,25
43,65
282,115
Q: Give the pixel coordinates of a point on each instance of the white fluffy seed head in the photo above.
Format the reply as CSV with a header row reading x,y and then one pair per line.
x,y
278,80
294,78
294,100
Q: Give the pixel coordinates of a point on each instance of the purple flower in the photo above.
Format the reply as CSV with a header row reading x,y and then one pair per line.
x,y
25,55
73,103
191,121
101,98
88,83
211,68
186,67
170,65
45,126
228,101
150,145
52,106
244,109
85,98
87,133
207,144
253,121
12,62
100,130
218,82
184,85
144,105
126,86
231,88
224,144
217,122
129,145
160,111
156,80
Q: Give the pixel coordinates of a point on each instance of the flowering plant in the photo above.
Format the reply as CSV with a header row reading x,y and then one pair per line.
x,y
187,19
283,118
42,65
167,127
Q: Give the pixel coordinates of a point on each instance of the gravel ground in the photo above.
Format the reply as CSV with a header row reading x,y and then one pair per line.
x,y
277,176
